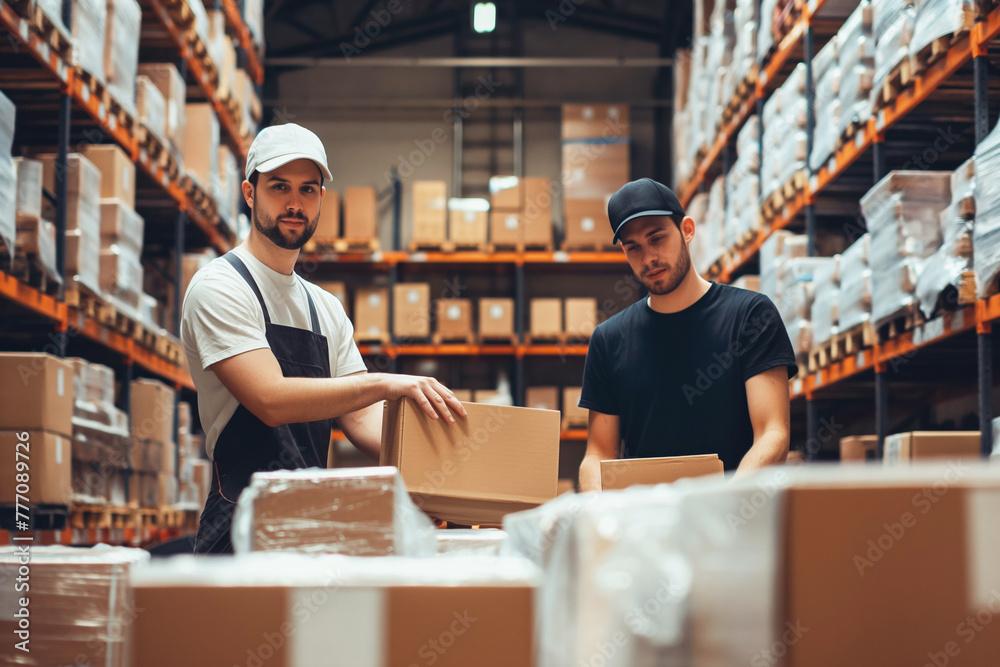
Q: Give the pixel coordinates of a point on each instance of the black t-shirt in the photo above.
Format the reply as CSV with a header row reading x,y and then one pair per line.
x,y
677,380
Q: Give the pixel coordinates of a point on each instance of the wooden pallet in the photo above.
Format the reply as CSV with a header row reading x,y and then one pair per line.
x,y
432,245
81,297
59,41
94,86
857,338
98,516
145,518
521,247
905,319
123,116
891,87
168,348
848,135
171,517
464,339
745,90
356,245
180,13
485,339
546,338
39,517
589,247
919,62
30,270
959,295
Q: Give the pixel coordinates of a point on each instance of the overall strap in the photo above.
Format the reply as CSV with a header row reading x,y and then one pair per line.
x,y
242,269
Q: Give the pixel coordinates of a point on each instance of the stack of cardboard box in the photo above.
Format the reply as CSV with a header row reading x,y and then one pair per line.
x,y
563,319
100,445
595,156
411,317
35,235
371,315
194,477
360,215
430,214
468,223
152,412
166,79
328,227
121,50
89,25
454,321
520,212
201,147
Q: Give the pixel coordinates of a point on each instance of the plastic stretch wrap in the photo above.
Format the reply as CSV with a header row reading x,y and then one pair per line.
x,y
171,85
885,13
826,58
855,285
709,248
697,247
796,270
825,313
986,233
765,38
8,175
122,274
29,189
53,11
892,47
795,301
828,120
358,512
611,568
83,217
121,50
940,18
121,226
800,334
39,236
748,138
468,542
855,92
201,22
81,604
151,107
253,17
942,273
89,23
770,251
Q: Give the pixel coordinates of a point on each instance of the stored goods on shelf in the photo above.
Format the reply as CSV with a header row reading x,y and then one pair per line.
x,y
783,161
336,288
360,214
101,442
828,77
468,542
506,193
430,215
573,416
904,448
201,147
8,176
454,320
171,85
854,299
468,223
117,172
579,317
371,314
825,310
594,121
892,29
89,25
496,319
623,473
253,18
39,395
856,60
411,316
542,398
586,223
230,187
859,448
152,411
29,188
986,233
328,226
121,51
742,216
151,108
546,318
936,19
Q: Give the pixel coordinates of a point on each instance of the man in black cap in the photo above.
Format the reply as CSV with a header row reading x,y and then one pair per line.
x,y
695,368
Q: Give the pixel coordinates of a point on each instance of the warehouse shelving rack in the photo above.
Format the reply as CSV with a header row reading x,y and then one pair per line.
x,y
942,333
53,322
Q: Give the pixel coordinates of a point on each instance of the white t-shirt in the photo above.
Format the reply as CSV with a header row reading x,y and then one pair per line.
x,y
221,318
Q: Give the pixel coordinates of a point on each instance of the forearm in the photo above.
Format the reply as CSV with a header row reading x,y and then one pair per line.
x,y
590,473
364,430
770,448
294,400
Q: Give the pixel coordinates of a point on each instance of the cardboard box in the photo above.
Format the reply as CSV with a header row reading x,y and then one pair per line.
x,y
360,213
144,489
117,172
580,317
595,121
152,411
749,282
411,317
496,318
201,479
536,216
464,395
623,473
587,223
146,455
201,145
29,189
371,314
336,288
168,458
454,318
495,461
89,483
151,108
167,489
542,398
37,238
859,448
430,211
901,448
485,396
506,193
120,225
328,227
566,486
468,221
36,394
594,171
505,228
171,85
546,317
50,463
573,415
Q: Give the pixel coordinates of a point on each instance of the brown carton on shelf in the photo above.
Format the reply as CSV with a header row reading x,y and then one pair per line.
x,y
328,227
859,448
468,221
166,77
152,411
167,489
496,318
336,288
536,215
36,394
50,465
595,121
901,448
748,282
454,318
484,395
506,193
580,316
371,313
495,461
505,228
430,211
594,171
411,317
144,489
168,458
30,175
546,317
464,395
360,213
623,473
587,223
573,415
542,398
201,144
117,172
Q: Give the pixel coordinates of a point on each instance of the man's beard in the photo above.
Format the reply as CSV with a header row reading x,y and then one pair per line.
x,y
674,275
271,229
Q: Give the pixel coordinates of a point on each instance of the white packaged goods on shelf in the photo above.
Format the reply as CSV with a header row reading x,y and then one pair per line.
x,y
892,42
855,299
215,43
986,233
713,247
358,512
230,186
765,38
770,252
151,107
826,58
89,23
121,51
200,19
8,176
253,17
468,542
941,18
173,89
81,604
942,273
121,226
53,11
828,119
29,189
825,313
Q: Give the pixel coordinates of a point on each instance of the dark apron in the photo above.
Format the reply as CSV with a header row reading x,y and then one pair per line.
x,y
248,445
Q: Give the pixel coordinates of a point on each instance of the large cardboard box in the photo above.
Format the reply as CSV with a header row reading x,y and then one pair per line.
x,y
360,213
171,84
580,316
336,288
573,415
506,193
328,226
587,223
49,463
496,318
36,393
332,616
495,461
411,317
167,489
117,172
542,398
464,395
468,221
454,318
623,473
859,448
902,448
505,228
371,314
152,411
546,317
536,214
201,144
595,121
144,489
430,211
594,171
29,189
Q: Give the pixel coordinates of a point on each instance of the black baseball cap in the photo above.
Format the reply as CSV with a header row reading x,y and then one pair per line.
x,y
638,199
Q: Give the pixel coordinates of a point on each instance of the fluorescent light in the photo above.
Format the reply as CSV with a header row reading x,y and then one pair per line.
x,y
484,17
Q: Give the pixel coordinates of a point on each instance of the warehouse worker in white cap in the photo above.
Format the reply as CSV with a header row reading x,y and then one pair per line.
x,y
694,368
273,356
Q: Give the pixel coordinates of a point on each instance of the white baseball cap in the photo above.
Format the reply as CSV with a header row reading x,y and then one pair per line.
x,y
278,145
